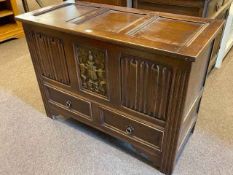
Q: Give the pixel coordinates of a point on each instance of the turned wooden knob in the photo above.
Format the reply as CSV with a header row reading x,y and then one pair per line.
x,y
68,104
217,7
129,130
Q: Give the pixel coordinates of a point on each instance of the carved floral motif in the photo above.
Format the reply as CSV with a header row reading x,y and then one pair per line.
x,y
92,69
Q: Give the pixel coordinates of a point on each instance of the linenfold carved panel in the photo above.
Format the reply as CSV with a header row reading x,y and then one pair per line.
x,y
92,71
50,56
145,86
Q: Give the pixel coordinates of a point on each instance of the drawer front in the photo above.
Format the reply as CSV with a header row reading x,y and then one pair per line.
x,y
213,7
65,101
217,41
110,2
170,8
132,129
187,3
215,50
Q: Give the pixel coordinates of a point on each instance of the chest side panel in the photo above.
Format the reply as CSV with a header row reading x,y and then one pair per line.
x,y
50,56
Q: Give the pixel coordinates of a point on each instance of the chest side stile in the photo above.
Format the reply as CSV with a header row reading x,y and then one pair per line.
x,y
34,56
175,112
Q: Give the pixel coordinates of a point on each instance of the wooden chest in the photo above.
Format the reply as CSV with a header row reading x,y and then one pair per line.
x,y
214,9
136,75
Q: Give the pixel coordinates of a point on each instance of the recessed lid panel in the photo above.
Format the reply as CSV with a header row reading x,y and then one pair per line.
x,y
110,21
67,13
169,31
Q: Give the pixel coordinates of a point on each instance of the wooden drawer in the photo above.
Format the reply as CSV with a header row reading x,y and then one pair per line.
x,y
110,2
217,41
63,100
187,3
215,50
213,7
170,7
132,129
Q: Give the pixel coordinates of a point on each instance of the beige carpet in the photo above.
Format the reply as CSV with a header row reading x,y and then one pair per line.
x,y
32,144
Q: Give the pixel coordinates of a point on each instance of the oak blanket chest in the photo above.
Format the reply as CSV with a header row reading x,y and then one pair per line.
x,y
135,74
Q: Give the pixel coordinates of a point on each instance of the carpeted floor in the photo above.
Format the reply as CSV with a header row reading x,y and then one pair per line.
x,y
32,144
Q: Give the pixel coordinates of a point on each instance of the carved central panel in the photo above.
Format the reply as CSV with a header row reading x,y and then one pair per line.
x,y
145,86
92,71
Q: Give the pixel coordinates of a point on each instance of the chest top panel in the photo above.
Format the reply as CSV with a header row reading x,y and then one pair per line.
x,y
176,35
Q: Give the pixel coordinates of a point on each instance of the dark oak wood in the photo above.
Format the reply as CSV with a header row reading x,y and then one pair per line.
x,y
137,75
201,8
110,2
214,9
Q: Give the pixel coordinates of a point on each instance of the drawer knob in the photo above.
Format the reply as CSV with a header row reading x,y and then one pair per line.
x,y
68,104
217,7
129,130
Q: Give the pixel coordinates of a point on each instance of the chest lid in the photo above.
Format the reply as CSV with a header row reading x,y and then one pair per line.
x,y
174,35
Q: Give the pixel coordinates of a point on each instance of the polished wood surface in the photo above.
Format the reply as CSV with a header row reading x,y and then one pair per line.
x,y
134,74
214,9
9,28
